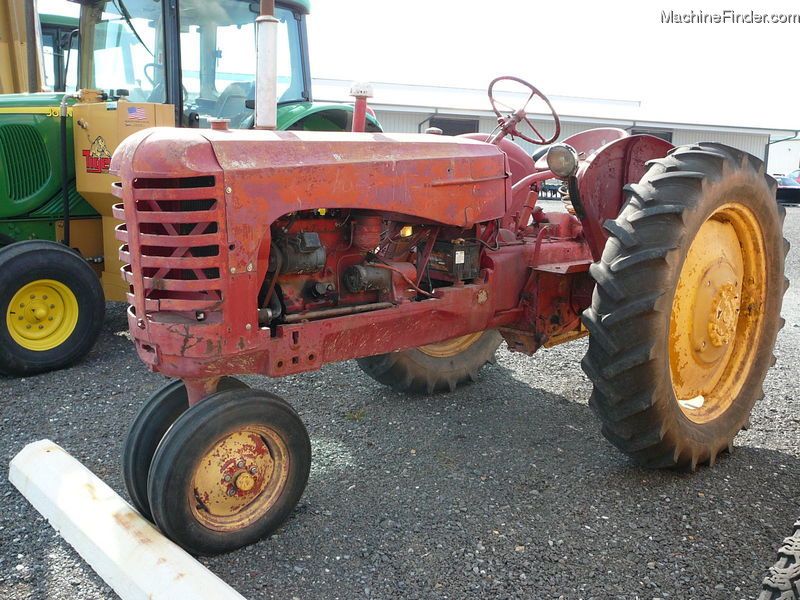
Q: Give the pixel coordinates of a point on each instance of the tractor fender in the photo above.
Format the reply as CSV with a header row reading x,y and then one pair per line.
x,y
321,116
601,179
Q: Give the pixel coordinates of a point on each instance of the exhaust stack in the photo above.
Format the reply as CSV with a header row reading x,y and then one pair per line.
x,y
266,67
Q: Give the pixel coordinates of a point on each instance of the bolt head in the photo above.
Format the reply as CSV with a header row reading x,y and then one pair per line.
x,y
33,296
228,190
49,318
44,297
240,464
253,470
52,306
41,326
21,317
232,492
27,327
227,477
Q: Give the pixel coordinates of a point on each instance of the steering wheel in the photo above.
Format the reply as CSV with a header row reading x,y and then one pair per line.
x,y
509,124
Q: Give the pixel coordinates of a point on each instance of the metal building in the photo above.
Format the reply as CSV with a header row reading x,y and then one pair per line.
x,y
406,108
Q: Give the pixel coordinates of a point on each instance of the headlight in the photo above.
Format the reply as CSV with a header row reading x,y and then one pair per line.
x,y
562,160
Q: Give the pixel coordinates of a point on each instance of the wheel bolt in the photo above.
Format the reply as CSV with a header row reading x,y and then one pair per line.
x,y
44,297
232,492
240,464
49,318
27,326
21,317
253,470
227,477
41,326
52,306
32,296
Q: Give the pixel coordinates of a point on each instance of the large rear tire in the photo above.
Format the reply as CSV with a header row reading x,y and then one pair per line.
x,y
686,308
434,367
52,307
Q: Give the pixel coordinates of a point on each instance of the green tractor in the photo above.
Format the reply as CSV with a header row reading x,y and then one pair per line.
x,y
140,63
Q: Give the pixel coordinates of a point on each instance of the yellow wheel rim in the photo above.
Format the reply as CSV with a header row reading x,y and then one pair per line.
x,y
239,479
450,347
717,313
42,315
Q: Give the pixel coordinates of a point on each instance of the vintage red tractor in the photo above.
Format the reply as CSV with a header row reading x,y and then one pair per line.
x,y
274,252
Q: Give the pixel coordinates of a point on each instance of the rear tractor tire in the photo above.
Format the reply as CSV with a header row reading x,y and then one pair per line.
x,y
686,308
52,307
436,367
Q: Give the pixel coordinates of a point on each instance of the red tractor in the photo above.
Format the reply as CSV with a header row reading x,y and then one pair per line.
x,y
275,252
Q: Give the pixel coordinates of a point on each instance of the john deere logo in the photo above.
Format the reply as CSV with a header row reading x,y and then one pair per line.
x,y
98,158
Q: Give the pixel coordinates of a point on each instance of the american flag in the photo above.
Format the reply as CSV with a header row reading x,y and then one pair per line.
x,y
136,113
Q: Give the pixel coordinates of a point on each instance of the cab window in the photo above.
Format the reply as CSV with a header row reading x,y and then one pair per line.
x,y
218,60
127,53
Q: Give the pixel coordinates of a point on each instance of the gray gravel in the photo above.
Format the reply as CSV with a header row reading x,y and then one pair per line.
x,y
504,489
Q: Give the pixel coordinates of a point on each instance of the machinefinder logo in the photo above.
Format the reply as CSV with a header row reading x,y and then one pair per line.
x,y
728,16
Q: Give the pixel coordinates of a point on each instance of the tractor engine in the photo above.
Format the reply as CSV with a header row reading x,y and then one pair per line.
x,y
325,263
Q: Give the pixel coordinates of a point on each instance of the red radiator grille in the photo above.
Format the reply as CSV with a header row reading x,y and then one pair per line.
x,y
173,243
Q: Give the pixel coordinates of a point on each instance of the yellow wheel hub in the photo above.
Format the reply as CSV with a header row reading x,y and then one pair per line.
x,y
452,346
42,315
239,478
716,313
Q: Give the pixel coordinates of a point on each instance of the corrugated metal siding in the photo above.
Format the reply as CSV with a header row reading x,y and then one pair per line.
x,y
754,144
407,122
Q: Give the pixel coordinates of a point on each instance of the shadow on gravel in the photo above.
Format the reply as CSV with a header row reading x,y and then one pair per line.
x,y
503,488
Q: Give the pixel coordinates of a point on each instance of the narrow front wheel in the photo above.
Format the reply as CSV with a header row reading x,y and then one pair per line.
x,y
229,471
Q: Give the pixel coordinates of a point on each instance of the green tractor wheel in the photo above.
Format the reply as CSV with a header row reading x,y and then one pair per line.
x,y
52,307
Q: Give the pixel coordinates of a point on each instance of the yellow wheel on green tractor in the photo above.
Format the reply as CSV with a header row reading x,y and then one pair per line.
x,y
52,307
42,315
686,308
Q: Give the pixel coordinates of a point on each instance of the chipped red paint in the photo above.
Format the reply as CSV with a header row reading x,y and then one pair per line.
x,y
194,314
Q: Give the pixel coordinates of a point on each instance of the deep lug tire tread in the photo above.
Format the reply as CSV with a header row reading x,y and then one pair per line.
x,y
783,580
415,372
635,279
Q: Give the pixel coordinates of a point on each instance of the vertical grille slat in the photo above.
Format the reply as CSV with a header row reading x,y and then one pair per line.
x,y
27,171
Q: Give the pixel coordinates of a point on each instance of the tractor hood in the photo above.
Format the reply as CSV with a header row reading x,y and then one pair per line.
x,y
453,181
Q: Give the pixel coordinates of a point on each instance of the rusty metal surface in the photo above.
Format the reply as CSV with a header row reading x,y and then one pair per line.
x,y
201,210
603,176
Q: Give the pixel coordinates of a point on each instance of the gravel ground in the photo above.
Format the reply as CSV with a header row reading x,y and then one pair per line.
x,y
503,489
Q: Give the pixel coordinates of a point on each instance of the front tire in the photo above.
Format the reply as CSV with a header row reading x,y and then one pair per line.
x,y
149,425
229,471
52,307
434,367
686,308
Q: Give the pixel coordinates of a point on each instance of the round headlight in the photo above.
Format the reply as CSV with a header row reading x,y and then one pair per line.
x,y
562,160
